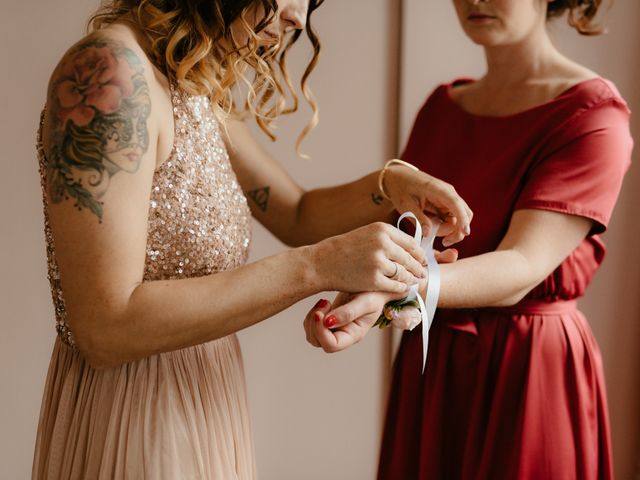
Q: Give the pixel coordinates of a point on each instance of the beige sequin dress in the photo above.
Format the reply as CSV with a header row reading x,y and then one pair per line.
x,y
178,415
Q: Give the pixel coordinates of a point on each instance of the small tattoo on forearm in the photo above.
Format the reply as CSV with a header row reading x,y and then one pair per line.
x,y
377,198
260,197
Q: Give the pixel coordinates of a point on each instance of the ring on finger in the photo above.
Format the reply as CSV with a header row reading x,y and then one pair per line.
x,y
395,272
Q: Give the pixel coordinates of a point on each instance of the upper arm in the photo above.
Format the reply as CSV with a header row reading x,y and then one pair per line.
x,y
571,191
100,147
274,197
544,239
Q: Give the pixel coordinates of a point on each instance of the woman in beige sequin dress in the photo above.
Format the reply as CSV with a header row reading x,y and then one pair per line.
x,y
148,228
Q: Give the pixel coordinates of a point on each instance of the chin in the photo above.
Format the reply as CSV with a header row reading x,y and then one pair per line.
x,y
485,38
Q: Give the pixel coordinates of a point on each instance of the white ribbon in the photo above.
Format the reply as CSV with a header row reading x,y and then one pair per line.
x,y
429,304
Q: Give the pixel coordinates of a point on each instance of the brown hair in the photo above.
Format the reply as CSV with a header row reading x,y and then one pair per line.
x,y
185,43
581,14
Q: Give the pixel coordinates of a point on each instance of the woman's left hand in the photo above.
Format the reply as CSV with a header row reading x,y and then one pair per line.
x,y
335,326
352,317
424,195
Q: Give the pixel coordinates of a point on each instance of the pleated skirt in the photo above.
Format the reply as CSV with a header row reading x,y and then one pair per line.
x,y
176,415
505,395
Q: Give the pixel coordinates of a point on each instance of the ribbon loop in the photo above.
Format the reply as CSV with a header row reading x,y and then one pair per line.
x,y
430,302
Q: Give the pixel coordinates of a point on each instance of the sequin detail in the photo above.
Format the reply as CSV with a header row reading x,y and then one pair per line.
x,y
199,220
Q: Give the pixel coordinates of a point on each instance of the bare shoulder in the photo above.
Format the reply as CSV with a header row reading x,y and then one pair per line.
x,y
97,118
568,75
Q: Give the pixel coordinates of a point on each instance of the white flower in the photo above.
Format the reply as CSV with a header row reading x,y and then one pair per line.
x,y
406,319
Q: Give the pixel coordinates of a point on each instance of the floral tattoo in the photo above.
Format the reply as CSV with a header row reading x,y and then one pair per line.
x,y
99,105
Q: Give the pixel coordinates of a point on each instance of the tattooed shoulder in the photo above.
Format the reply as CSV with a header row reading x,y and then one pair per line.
x,y
98,106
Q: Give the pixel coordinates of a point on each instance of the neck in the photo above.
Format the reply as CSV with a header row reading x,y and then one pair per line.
x,y
528,59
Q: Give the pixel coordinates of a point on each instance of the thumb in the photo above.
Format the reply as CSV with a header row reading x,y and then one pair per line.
x,y
358,307
450,255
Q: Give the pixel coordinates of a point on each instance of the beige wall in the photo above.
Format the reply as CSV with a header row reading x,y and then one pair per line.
x,y
435,50
33,35
315,416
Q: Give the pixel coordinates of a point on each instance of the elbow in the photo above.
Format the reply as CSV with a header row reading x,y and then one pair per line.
x,y
98,353
517,297
98,344
511,300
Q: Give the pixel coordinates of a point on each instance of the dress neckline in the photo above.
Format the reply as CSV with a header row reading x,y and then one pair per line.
x,y
450,86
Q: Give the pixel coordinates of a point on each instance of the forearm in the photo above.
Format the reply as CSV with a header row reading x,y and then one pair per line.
x,y
535,244
499,278
161,316
325,212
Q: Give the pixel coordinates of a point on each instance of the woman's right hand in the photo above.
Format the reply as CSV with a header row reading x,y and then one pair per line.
x,y
376,257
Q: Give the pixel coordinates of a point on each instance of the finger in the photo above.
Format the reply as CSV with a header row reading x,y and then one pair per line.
x,y
455,205
386,284
446,228
348,336
450,255
406,263
408,244
312,317
453,238
325,337
359,306
315,315
338,339
310,330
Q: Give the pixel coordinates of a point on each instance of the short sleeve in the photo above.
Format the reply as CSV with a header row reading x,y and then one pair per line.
x,y
581,169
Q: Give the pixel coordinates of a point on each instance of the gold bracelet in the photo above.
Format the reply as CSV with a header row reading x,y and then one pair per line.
x,y
395,161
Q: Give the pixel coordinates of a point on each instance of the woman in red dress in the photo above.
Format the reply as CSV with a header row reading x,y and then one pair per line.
x,y
538,147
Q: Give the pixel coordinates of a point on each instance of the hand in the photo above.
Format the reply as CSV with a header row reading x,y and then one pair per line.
x,y
354,315
377,257
423,194
357,313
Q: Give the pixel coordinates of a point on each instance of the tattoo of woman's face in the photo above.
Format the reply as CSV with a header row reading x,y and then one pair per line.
x,y
99,105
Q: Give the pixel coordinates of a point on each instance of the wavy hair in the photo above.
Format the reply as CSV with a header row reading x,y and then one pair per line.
x,y
193,43
581,14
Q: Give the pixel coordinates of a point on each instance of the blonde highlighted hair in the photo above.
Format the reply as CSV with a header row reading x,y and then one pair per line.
x,y
193,43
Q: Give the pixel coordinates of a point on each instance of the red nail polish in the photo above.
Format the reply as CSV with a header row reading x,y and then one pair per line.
x,y
317,317
322,303
330,321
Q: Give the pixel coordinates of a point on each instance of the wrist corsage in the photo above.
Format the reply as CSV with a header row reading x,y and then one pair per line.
x,y
391,314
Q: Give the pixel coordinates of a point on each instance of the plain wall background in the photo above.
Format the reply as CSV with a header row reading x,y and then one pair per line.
x,y
314,416
435,50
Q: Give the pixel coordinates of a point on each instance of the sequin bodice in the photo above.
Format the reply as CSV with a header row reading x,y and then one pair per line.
x,y
199,220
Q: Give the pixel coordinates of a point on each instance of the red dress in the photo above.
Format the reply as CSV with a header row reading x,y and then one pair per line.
x,y
515,392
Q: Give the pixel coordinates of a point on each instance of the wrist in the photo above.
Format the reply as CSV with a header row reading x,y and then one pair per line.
x,y
388,171
309,259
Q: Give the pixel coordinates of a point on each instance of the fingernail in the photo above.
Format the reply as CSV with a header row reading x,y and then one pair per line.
x,y
330,321
322,303
455,250
467,229
317,317
446,242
